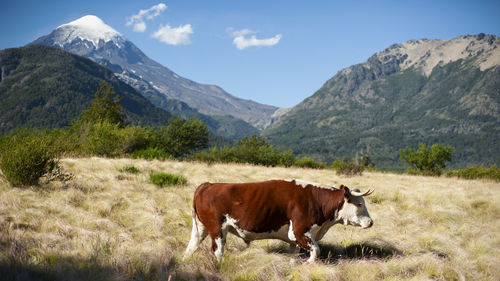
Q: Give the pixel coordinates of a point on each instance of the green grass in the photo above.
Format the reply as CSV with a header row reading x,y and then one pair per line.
x,y
377,198
163,179
151,153
130,169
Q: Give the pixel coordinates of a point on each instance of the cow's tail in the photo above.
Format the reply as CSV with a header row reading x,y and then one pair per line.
x,y
195,215
196,194
196,235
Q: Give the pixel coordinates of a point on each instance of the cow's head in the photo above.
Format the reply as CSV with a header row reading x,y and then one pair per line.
x,y
354,210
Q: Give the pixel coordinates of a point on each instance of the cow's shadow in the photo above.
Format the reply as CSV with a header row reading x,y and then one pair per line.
x,y
371,249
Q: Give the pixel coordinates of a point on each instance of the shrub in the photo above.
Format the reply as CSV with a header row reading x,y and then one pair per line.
x,y
181,137
130,169
103,139
477,172
26,156
133,138
364,159
65,141
344,167
254,150
285,159
307,162
162,179
151,153
426,161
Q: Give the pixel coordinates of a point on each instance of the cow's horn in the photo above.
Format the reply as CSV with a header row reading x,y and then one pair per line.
x,y
366,193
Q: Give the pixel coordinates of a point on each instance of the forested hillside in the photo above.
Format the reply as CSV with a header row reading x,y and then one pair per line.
x,y
46,87
398,99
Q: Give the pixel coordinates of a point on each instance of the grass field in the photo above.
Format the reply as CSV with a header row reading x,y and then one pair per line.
x,y
109,224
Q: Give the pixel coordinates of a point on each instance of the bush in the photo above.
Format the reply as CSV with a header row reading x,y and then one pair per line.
x,y
426,161
307,162
344,167
103,139
285,159
162,179
26,156
151,153
477,172
107,139
254,150
133,138
130,169
181,137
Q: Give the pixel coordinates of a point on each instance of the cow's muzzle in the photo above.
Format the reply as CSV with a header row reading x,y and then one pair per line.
x,y
370,224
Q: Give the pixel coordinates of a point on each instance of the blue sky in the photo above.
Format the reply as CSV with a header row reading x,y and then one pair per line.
x,y
306,42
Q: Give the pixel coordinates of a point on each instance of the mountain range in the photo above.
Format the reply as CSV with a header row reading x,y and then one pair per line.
x,y
45,87
419,91
89,36
424,90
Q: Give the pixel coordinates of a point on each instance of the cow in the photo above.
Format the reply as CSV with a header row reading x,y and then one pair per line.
x,y
294,211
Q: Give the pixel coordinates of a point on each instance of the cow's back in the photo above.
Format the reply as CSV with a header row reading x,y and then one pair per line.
x,y
256,207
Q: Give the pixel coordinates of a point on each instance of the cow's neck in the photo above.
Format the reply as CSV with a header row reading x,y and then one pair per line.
x,y
330,202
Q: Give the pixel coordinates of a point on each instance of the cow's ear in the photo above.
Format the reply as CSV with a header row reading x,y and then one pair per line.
x,y
347,192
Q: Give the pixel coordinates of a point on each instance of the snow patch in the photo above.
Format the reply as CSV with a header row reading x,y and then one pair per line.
x,y
88,28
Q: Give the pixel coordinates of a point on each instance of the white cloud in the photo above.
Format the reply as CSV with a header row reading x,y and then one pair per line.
x,y
241,42
137,20
174,35
243,32
140,27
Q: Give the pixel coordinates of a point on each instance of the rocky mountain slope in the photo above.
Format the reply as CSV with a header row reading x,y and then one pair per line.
x,y
418,91
42,86
89,36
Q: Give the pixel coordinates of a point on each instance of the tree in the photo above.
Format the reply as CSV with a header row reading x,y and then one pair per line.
x,y
253,142
182,137
256,150
105,107
363,159
427,161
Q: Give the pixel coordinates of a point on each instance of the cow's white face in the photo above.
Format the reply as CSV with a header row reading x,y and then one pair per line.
x,y
354,211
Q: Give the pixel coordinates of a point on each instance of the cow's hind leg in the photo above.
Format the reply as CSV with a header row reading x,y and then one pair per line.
x,y
218,243
218,235
198,234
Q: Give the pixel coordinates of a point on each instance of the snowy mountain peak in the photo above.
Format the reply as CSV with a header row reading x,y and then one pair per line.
x,y
90,28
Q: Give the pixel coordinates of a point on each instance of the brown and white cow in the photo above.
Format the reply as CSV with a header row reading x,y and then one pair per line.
x,y
294,211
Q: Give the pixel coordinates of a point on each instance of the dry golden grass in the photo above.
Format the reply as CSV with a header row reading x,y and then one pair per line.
x,y
106,224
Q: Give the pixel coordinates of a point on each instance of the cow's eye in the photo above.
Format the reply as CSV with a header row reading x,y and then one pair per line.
x,y
359,204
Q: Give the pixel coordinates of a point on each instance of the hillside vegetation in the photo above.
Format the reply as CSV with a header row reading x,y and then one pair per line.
x,y
108,221
381,106
44,87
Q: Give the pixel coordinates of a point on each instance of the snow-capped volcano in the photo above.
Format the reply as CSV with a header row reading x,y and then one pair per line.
x,y
89,36
88,28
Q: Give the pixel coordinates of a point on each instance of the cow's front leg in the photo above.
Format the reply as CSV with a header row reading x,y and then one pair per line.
x,y
306,241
